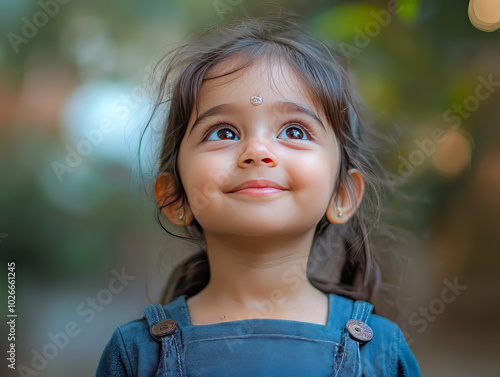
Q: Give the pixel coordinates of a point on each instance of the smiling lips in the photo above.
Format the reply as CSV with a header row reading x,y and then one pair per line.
x,y
258,187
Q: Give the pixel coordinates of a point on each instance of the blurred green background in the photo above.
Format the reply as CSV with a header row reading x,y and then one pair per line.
x,y
76,209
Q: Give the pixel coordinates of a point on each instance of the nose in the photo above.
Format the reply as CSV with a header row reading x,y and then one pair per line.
x,y
256,152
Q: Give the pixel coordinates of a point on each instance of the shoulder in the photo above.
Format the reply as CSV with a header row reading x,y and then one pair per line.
x,y
383,327
130,349
137,332
134,330
389,351
136,336
387,354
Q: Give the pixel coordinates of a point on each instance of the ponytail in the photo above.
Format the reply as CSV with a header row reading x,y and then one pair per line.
x,y
188,278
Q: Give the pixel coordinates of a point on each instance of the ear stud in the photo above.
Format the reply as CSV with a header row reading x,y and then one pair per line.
x,y
256,99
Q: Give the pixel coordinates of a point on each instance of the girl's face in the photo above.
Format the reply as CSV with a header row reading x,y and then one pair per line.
x,y
285,140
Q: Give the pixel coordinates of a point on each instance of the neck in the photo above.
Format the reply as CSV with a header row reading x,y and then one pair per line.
x,y
258,272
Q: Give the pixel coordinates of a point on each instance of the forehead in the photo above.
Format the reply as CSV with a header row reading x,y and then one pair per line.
x,y
237,80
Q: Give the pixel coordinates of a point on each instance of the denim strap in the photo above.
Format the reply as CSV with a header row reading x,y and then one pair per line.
x,y
171,360
348,362
361,310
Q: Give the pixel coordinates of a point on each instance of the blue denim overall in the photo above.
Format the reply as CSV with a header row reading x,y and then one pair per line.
x,y
165,343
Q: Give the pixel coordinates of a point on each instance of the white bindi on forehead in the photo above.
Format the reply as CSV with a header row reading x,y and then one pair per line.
x,y
272,87
237,81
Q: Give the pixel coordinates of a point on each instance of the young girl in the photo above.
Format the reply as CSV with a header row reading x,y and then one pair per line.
x,y
263,154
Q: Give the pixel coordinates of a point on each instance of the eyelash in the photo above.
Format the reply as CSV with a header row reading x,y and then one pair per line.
x,y
223,124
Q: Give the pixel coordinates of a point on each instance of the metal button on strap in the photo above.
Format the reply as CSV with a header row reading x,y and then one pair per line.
x,y
359,330
162,328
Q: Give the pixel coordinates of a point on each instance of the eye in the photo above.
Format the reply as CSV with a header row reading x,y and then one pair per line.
x,y
221,134
296,132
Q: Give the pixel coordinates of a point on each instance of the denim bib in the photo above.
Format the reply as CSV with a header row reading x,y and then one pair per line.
x,y
302,349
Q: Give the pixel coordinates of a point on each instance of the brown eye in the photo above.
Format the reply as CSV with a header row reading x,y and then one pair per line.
x,y
293,132
223,134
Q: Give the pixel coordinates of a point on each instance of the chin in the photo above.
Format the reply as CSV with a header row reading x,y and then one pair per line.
x,y
262,229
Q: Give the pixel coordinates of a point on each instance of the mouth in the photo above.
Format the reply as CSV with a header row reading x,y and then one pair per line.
x,y
258,191
258,188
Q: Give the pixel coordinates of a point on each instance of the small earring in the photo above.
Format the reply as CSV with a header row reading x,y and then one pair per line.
x,y
181,217
339,212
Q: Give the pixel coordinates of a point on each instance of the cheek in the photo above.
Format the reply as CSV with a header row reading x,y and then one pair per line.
x,y
314,176
311,170
204,179
210,169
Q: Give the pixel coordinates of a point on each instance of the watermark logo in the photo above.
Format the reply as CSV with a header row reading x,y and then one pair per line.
x,y
87,310
31,26
380,20
435,307
224,7
454,116
84,147
463,110
119,110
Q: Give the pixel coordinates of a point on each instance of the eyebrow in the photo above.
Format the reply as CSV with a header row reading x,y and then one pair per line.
x,y
281,106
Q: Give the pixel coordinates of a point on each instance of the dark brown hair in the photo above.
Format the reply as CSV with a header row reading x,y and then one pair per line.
x,y
279,37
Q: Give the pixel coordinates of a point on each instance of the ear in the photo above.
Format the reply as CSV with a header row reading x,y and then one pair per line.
x,y
342,203
166,188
